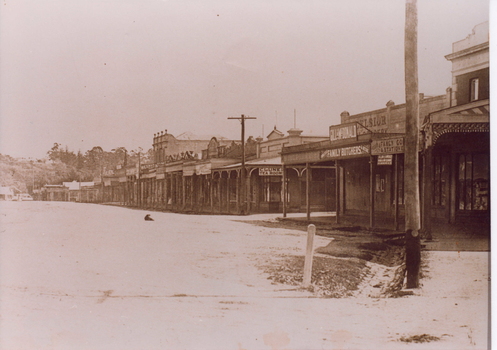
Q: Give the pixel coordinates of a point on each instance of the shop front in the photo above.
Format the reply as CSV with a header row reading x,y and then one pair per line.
x,y
457,154
353,174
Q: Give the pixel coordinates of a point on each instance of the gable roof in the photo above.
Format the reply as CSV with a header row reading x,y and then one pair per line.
x,y
275,134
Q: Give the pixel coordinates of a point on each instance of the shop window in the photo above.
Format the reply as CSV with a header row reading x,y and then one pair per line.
x,y
473,182
272,189
474,89
318,174
440,168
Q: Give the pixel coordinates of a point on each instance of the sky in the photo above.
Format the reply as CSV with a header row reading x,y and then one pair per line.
x,y
111,73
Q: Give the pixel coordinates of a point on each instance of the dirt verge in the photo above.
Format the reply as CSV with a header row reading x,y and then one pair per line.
x,y
345,266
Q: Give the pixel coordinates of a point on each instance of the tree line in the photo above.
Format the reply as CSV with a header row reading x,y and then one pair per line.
x,y
64,165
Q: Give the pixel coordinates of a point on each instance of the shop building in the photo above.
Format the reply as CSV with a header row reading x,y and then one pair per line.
x,y
362,162
75,191
456,140
357,170
264,172
191,174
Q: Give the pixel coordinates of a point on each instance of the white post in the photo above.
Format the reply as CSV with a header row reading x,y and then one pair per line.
x,y
311,231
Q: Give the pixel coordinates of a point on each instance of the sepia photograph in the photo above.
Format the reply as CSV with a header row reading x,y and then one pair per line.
x,y
245,175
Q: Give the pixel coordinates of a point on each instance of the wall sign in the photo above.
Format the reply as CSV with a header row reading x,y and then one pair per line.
x,y
373,123
271,171
342,132
387,146
344,152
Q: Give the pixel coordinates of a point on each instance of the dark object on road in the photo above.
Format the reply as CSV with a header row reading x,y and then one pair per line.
x,y
148,218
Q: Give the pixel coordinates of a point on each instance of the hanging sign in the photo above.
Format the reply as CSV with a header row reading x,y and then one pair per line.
x,y
385,159
271,171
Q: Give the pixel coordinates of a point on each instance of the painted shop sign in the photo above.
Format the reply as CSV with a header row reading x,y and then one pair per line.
x,y
131,171
343,132
385,159
388,146
147,166
373,123
203,169
271,171
344,152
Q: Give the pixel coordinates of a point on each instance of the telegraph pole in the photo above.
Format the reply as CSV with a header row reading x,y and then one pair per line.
x,y
138,183
411,163
243,192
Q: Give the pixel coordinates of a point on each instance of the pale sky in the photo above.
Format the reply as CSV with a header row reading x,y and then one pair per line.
x,y
112,73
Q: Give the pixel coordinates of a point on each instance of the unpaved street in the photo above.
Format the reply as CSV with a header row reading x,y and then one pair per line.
x,y
82,276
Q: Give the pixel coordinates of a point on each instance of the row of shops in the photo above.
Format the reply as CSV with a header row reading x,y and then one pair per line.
x,y
355,171
355,168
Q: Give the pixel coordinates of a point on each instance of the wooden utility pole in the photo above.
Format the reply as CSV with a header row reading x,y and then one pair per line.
x,y
308,190
411,163
285,189
138,182
372,190
243,175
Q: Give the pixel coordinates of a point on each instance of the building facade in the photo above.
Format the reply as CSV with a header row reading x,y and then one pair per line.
x,y
357,169
456,140
364,154
191,174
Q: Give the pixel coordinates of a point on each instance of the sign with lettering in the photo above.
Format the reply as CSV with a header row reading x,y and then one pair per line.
x,y
131,171
385,159
373,123
147,166
330,153
345,152
203,169
271,171
343,131
388,146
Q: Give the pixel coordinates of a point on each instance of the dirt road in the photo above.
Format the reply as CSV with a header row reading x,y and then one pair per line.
x,y
82,276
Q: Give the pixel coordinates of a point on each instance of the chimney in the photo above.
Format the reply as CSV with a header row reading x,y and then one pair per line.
x,y
344,116
293,132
